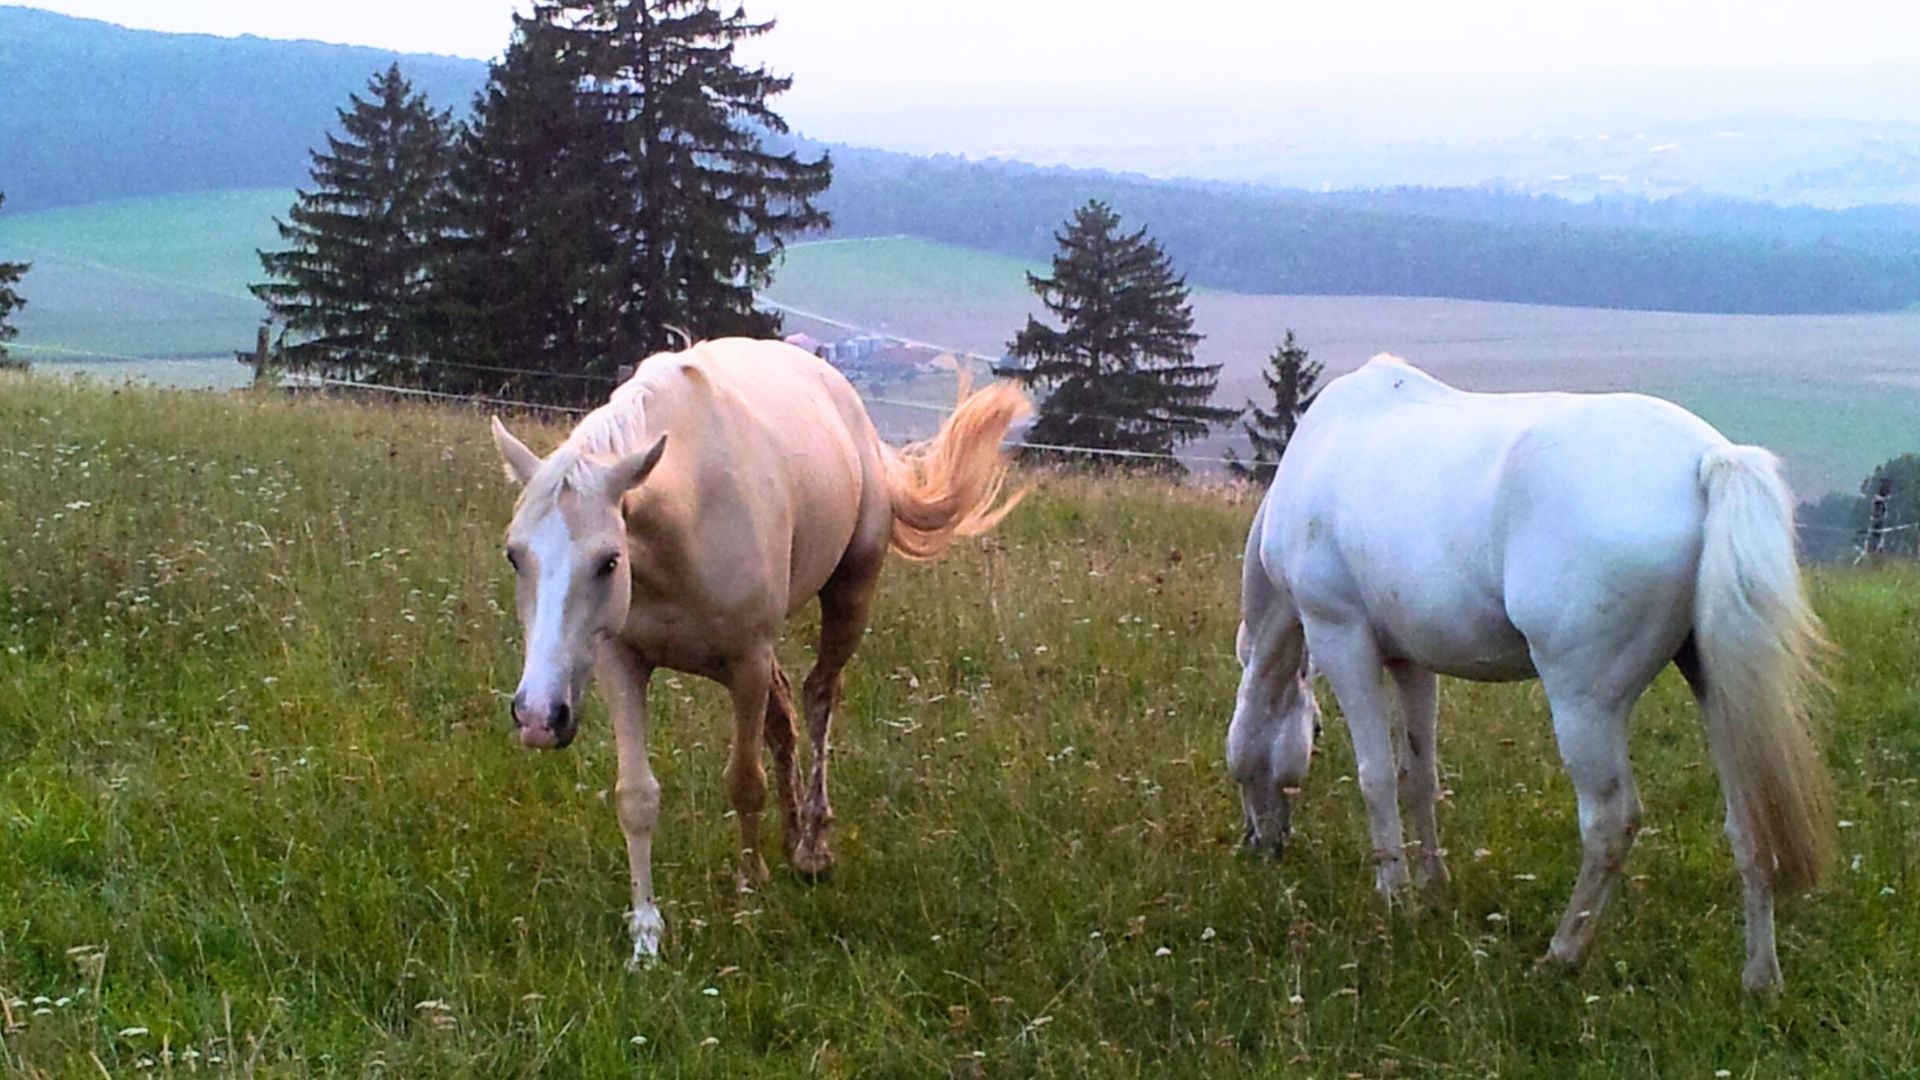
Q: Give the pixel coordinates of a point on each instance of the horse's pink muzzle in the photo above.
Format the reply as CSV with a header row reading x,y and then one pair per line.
x,y
551,728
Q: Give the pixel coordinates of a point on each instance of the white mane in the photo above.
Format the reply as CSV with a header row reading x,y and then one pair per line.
x,y
608,433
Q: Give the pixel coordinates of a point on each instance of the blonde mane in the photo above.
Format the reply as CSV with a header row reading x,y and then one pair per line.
x,y
608,433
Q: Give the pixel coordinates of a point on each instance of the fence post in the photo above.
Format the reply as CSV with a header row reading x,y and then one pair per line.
x,y
1877,518
260,357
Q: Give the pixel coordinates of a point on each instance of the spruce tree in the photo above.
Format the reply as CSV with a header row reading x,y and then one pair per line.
x,y
10,302
1292,379
621,184
536,277
711,201
1119,370
1897,482
354,289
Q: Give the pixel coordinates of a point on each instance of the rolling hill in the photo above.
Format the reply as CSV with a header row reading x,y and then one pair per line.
x,y
172,114
90,111
166,278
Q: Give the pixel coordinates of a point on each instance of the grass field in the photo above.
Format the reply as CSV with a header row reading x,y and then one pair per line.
x,y
158,277
261,815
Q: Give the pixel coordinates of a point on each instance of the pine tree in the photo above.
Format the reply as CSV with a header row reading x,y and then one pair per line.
x,y
536,277
355,289
712,203
10,302
620,185
1120,369
1896,484
1292,379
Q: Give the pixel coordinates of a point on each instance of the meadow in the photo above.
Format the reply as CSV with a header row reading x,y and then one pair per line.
x,y
162,279
260,813
165,276
1833,395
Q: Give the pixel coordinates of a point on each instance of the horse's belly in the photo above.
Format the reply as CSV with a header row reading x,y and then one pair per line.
x,y
1513,666
1468,644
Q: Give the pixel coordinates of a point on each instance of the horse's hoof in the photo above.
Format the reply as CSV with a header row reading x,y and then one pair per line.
x,y
1549,966
1763,979
812,859
647,927
752,872
1435,886
1259,846
1393,884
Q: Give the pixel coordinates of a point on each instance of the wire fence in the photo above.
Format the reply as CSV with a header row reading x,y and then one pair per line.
x,y
1868,540
418,362
572,410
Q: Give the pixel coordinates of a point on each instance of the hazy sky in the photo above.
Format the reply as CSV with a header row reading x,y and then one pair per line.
x,y
844,49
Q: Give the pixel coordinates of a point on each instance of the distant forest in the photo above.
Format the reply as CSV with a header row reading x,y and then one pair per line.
x,y
1674,255
90,112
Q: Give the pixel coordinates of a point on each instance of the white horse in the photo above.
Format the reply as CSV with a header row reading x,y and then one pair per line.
x,y
1586,540
630,556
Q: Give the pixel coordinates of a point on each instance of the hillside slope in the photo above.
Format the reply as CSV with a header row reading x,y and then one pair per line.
x,y
154,277
1256,241
92,111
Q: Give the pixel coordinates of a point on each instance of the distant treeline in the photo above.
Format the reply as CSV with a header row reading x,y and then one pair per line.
x,y
1709,257
1892,230
90,112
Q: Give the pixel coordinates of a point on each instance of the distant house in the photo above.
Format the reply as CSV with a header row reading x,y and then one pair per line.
x,y
806,341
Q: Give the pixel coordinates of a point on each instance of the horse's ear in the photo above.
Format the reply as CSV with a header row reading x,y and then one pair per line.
x,y
627,473
521,463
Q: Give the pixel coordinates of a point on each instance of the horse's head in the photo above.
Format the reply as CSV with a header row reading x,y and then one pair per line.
x,y
1276,721
567,544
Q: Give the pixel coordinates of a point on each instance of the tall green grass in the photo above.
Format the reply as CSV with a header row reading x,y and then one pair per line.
x,y
260,814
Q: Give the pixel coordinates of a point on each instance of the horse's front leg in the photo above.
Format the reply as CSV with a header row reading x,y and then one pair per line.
x,y
1347,656
623,677
1420,768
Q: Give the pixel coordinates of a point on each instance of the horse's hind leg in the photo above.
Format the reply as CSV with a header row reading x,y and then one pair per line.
x,y
749,684
844,605
1592,734
1420,768
1763,964
1349,658
782,737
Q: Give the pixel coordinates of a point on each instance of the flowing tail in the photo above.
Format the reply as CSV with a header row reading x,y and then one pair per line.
x,y
947,486
1757,639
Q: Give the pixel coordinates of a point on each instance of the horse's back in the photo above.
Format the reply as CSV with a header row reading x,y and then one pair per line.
x,y
1462,524
779,386
779,446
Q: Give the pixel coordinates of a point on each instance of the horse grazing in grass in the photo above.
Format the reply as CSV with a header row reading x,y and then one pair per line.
x,y
1586,540
682,523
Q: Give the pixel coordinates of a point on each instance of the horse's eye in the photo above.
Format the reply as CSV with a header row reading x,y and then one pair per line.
x,y
513,560
609,565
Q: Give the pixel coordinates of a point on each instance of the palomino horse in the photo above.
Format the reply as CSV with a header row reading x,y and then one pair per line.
x,y
773,489
1583,540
